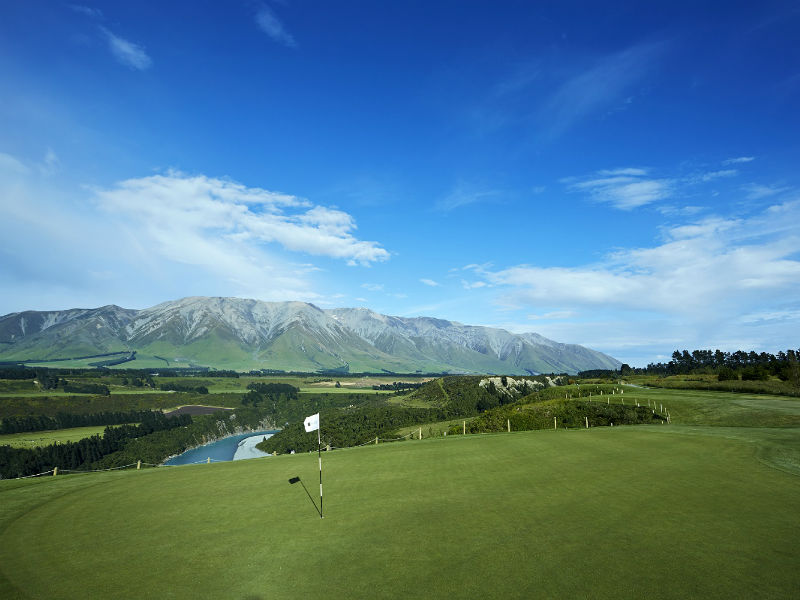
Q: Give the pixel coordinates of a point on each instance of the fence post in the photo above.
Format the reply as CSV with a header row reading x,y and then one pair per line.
x,y
555,423
55,471
208,460
138,465
508,422
420,433
587,422
376,440
465,428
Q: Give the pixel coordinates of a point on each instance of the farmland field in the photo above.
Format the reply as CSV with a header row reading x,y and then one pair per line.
x,y
44,438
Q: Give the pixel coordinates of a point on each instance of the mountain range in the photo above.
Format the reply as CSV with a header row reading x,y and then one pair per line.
x,y
234,333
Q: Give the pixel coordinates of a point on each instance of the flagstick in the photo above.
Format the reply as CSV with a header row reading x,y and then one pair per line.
x,y
319,454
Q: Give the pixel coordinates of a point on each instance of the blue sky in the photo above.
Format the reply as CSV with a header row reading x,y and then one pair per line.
x,y
618,175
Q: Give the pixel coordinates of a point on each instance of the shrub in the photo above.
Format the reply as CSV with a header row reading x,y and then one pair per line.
x,y
755,373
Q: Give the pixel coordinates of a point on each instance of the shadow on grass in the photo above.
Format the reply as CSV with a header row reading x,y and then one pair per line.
x,y
294,480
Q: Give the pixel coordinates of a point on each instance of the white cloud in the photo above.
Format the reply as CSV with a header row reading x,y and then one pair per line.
x,y
10,164
738,160
711,269
705,177
473,285
757,191
555,315
373,287
51,164
94,13
686,211
146,240
630,171
475,267
464,194
717,282
126,52
429,282
624,189
774,315
206,212
633,187
269,23
599,86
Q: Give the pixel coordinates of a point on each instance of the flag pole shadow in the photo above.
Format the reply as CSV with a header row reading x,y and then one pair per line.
x,y
297,479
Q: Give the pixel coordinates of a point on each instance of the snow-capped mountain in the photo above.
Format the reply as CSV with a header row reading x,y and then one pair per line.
x,y
291,336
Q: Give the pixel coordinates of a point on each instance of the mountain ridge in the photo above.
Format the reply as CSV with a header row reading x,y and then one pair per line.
x,y
247,334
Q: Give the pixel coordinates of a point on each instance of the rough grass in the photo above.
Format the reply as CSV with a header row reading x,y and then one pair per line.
x,y
725,409
711,383
45,438
607,513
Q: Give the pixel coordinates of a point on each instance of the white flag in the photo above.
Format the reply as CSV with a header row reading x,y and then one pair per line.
x,y
312,422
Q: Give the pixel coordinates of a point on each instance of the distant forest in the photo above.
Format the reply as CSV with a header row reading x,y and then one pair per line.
x,y
727,365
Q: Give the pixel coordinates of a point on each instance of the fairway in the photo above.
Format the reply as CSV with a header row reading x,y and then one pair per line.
x,y
604,513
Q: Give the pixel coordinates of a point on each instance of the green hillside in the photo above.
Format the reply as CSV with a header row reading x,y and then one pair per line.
x,y
605,513
242,334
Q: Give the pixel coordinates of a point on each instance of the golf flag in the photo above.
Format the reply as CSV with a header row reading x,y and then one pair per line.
x,y
312,423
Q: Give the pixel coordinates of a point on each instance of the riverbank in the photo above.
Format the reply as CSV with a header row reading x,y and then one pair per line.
x,y
220,450
247,447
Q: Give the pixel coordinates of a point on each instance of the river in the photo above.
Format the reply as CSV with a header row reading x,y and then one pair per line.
x,y
235,447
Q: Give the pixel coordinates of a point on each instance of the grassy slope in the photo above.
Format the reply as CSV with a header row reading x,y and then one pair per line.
x,y
703,508
628,512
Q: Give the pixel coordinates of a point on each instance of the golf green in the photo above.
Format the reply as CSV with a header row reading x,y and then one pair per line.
x,y
633,512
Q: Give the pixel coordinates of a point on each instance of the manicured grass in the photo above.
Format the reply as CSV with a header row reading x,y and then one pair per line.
x,y
728,409
633,512
706,507
45,438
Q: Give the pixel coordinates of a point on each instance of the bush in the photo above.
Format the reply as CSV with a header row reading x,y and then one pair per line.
x,y
86,388
756,373
727,374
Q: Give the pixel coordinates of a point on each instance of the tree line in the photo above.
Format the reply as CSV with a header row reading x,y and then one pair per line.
x,y
569,414
728,365
181,387
275,396
397,386
449,397
346,428
65,420
80,455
